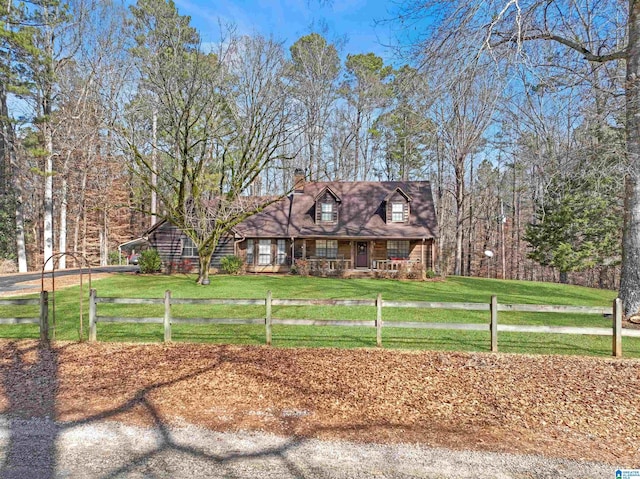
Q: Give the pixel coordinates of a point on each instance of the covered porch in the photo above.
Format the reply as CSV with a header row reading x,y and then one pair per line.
x,y
335,256
364,254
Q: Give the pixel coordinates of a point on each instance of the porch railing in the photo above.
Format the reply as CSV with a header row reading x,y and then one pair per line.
x,y
394,264
329,264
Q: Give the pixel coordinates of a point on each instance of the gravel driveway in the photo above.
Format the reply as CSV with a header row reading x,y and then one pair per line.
x,y
39,448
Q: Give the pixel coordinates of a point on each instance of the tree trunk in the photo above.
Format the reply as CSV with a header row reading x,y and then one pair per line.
x,y
470,229
48,197
204,260
12,172
104,244
154,167
81,213
62,233
630,276
356,153
564,278
460,194
21,248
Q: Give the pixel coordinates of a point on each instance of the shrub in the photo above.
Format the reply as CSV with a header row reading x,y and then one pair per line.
x,y
231,264
320,268
150,261
403,271
117,258
300,267
340,271
430,274
414,271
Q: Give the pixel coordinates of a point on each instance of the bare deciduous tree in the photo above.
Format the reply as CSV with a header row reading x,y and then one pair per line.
x,y
222,119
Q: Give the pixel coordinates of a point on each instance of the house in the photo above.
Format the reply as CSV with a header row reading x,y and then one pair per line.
x,y
333,225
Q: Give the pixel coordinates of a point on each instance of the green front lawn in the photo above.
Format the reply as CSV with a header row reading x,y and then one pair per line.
x,y
454,289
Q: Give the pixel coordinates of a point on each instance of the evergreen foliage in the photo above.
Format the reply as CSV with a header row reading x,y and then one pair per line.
x,y
7,228
577,227
231,264
150,261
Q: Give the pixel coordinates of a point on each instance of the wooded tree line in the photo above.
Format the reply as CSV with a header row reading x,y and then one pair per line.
x,y
514,110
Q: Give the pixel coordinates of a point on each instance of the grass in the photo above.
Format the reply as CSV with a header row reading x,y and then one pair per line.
x,y
454,289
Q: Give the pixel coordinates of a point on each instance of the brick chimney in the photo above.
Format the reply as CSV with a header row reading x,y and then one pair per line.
x,y
298,180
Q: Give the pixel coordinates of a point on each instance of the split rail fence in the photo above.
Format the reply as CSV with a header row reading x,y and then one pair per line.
x,y
42,319
492,327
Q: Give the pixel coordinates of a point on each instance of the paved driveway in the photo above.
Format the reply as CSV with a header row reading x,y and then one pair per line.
x,y
13,282
40,448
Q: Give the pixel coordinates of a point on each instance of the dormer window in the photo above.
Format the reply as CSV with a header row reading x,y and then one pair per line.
x,y
397,206
326,215
327,207
397,212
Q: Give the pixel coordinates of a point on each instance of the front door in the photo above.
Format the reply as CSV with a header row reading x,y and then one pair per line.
x,y
362,255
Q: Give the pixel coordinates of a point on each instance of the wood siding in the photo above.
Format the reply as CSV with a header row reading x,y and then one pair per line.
x,y
327,198
267,268
168,241
344,249
224,248
397,197
379,251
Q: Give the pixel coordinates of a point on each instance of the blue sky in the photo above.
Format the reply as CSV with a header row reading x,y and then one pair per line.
x,y
288,20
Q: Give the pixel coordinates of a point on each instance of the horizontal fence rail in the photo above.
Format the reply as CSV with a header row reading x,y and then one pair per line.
x,y
42,319
492,326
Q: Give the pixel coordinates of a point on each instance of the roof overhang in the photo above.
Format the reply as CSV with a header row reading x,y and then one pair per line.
x,y
133,243
331,192
398,190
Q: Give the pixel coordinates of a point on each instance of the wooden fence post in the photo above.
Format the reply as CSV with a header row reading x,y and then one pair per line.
x,y
92,315
44,316
494,323
617,328
167,316
267,320
379,320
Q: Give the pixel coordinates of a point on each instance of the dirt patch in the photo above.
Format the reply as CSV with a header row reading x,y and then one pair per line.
x,y
566,407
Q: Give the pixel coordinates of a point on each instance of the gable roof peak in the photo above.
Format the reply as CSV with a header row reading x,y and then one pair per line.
x,y
330,191
398,190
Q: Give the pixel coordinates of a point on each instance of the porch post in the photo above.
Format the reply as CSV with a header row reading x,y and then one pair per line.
x,y
293,251
371,247
352,254
304,248
423,259
433,255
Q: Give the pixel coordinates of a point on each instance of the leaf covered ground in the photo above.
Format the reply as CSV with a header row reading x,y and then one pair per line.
x,y
569,407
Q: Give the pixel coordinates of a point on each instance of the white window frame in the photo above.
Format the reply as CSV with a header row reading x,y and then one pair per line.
x,y
189,249
326,212
281,251
397,212
399,247
327,249
264,252
250,251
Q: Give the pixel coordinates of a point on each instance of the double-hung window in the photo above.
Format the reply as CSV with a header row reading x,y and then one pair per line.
x,y
327,248
264,252
397,249
326,212
397,212
250,248
189,249
281,252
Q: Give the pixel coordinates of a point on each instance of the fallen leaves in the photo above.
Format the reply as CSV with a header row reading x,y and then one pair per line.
x,y
570,407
